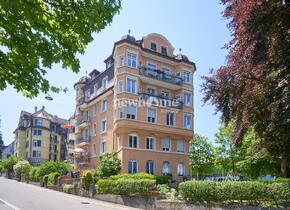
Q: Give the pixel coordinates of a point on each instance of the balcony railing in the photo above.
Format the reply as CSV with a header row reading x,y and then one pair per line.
x,y
53,150
83,139
161,100
160,75
85,119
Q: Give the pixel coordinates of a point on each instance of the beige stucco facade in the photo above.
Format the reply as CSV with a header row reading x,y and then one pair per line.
x,y
147,122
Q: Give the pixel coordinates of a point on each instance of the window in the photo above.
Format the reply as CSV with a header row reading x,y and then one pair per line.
x,y
37,132
95,130
87,93
170,118
133,141
163,50
37,143
166,72
186,77
121,87
166,144
150,143
54,128
153,46
103,147
151,115
180,145
103,125
187,121
121,60
27,144
165,98
132,167
132,60
180,169
104,83
131,85
166,169
187,99
152,66
104,105
131,112
37,122
95,110
150,167
96,88
94,149
36,154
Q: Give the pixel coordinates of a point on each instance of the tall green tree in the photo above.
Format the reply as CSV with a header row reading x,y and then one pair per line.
x,y
35,34
109,165
200,154
226,154
253,88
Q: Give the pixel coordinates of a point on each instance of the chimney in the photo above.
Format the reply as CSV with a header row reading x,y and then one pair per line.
x,y
35,109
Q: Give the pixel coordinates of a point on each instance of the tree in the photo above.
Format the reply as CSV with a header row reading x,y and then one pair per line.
x,y
37,34
253,88
8,165
226,154
109,165
200,154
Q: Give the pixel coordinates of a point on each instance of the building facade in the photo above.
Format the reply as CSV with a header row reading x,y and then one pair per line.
x,y
8,151
40,137
141,107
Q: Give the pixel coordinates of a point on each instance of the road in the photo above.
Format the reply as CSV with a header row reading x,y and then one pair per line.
x,y
21,196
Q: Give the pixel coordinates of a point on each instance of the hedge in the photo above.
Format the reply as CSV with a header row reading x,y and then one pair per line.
x,y
125,186
246,192
159,179
52,178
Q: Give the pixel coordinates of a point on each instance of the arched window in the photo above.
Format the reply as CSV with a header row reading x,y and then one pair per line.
x,y
150,167
180,169
166,168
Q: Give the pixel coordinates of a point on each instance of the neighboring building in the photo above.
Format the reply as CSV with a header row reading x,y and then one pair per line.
x,y
70,143
40,137
152,136
8,151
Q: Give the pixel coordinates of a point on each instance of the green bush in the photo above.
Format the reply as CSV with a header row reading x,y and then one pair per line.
x,y
246,192
133,176
45,179
162,179
109,164
163,189
125,186
87,180
67,187
54,166
33,174
22,168
52,178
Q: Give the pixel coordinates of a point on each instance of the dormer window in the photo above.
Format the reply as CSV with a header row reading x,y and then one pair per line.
x,y
153,46
104,83
163,50
109,63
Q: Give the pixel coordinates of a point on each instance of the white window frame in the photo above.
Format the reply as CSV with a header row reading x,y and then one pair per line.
x,y
184,116
190,79
106,125
133,161
169,149
106,107
134,53
129,77
155,114
103,151
96,87
105,84
151,42
153,169
169,124
154,142
183,169
94,129
161,50
190,102
178,141
136,111
121,60
94,149
170,169
137,137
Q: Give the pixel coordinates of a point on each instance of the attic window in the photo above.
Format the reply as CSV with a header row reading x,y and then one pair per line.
x,y
109,63
163,50
153,46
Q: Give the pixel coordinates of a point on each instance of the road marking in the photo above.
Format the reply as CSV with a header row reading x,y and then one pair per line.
x,y
10,205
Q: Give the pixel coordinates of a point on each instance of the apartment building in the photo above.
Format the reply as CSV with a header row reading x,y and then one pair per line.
x,y
140,106
40,137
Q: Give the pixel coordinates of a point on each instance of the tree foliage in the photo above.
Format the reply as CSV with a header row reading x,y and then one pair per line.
x,y
253,88
49,167
39,33
9,163
200,154
109,165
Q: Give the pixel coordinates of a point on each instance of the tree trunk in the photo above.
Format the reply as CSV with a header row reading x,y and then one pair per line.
x,y
285,166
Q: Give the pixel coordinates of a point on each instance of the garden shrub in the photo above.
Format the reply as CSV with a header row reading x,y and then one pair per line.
x,y
52,178
22,168
33,174
163,189
87,180
125,186
245,192
163,179
109,165
67,187
54,166
133,176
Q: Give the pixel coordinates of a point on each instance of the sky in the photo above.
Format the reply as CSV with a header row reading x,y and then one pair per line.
x,y
195,26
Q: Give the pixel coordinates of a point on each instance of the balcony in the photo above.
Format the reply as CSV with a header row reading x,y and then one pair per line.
x,y
53,141
160,78
83,103
85,121
161,100
53,150
83,139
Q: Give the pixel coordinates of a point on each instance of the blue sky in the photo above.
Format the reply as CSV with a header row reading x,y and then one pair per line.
x,y
193,25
